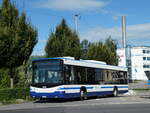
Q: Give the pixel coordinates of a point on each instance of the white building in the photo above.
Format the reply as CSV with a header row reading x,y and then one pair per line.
x,y
140,62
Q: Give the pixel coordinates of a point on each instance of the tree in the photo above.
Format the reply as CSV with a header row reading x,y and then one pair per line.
x,y
112,46
98,51
84,48
17,37
103,52
63,42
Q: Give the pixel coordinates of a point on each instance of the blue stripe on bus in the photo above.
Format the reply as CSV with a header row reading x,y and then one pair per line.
x,y
70,88
62,94
89,87
107,86
122,86
113,86
47,95
43,59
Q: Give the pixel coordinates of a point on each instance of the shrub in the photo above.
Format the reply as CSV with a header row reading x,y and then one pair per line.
x,y
20,78
16,93
4,78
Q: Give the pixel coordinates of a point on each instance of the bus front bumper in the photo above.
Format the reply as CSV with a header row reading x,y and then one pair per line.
x,y
57,94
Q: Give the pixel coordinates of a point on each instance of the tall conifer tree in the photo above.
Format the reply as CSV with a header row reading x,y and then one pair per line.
x,y
17,37
63,42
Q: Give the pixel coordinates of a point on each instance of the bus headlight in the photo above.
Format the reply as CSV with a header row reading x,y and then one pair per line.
x,y
32,89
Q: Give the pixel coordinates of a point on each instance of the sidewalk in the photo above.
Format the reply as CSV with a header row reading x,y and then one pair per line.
x,y
139,85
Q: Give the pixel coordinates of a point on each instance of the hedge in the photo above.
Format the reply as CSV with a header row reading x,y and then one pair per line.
x,y
16,93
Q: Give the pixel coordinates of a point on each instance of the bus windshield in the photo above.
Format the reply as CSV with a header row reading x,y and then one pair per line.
x,y
47,72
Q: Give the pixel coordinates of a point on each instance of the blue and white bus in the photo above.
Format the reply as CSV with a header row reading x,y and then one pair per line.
x,y
69,78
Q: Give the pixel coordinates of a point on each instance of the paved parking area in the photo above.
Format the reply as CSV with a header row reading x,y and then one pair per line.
x,y
122,99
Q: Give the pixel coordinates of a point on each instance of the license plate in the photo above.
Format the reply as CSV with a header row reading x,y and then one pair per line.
x,y
44,96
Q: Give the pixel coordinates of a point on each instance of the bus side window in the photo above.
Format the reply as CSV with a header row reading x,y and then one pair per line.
x,y
66,73
69,74
98,76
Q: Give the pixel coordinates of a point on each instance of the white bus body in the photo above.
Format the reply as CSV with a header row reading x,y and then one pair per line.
x,y
73,89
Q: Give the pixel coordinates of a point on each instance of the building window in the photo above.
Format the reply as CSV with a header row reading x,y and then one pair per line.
x,y
144,58
146,51
146,66
148,58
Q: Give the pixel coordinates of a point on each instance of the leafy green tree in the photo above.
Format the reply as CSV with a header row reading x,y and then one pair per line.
x,y
4,78
63,42
103,52
84,48
17,37
98,51
112,46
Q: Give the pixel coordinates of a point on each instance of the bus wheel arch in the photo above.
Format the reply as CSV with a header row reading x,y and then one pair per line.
x,y
115,91
83,93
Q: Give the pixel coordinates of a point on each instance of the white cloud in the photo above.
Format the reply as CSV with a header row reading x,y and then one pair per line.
x,y
115,15
136,33
72,5
42,41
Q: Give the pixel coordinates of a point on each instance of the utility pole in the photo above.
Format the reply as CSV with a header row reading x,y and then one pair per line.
x,y
124,31
76,22
23,6
124,38
127,49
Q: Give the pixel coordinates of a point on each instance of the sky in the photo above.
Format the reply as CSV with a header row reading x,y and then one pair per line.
x,y
98,19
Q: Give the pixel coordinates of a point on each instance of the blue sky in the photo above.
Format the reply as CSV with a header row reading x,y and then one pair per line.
x,y
98,19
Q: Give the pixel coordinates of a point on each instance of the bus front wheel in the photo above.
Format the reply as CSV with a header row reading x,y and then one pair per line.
x,y
83,95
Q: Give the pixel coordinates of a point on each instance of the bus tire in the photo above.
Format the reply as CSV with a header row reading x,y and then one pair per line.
x,y
115,92
83,95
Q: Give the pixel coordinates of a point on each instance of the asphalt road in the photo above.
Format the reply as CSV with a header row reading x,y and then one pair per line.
x,y
123,108
121,104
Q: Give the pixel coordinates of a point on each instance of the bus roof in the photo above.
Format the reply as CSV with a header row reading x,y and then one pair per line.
x,y
85,63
